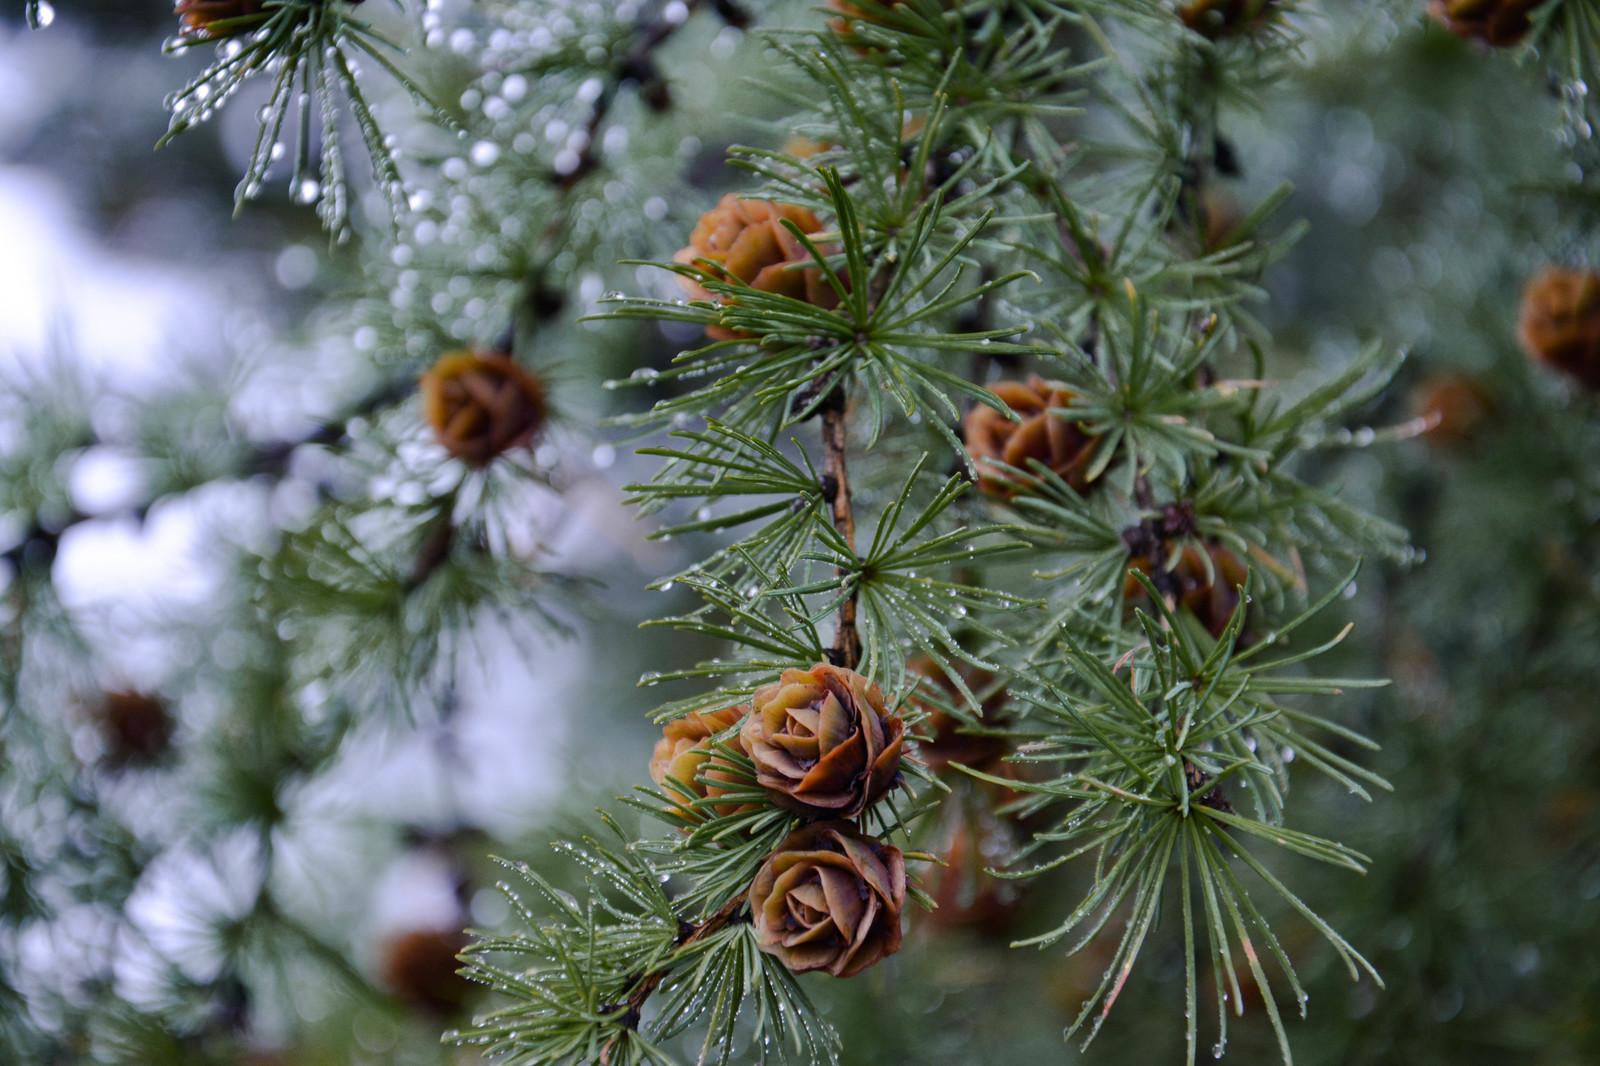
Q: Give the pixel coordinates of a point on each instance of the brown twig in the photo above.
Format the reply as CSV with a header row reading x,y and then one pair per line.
x,y
646,984
846,650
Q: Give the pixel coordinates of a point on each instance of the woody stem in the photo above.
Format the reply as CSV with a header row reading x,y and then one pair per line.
x,y
836,487
647,984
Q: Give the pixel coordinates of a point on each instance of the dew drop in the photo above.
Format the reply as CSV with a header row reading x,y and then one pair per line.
x,y
307,191
39,14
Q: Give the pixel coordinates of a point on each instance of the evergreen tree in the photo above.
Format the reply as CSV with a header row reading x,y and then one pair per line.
x,y
1028,434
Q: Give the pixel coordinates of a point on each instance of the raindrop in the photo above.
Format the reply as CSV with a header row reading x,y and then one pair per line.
x,y
484,153
666,586
39,14
1349,591
1219,1049
307,191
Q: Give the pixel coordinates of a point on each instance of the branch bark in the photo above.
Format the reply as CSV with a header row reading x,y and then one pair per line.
x,y
647,984
846,650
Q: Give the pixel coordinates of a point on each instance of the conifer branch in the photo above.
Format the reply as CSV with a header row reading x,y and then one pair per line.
x,y
846,649
647,984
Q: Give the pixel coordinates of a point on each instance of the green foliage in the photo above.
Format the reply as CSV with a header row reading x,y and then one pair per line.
x,y
1006,188
309,49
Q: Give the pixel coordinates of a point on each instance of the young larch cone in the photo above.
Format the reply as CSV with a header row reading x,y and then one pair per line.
x,y
1501,23
745,240
1211,592
944,739
1216,19
1561,322
829,898
683,752
823,744
136,729
482,404
219,18
420,967
1054,440
1453,407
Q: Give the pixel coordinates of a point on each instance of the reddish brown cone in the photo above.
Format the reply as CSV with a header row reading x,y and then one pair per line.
x,y
745,240
1060,444
944,738
1500,23
1561,322
829,898
823,744
481,405
683,752
1211,592
136,729
1453,407
420,967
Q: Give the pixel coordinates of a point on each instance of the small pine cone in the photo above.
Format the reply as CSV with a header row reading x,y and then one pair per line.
x,y
420,966
1210,593
1561,322
744,240
1500,23
823,744
482,404
136,729
829,899
1454,408
683,751
944,740
1216,19
216,19
201,19
1053,440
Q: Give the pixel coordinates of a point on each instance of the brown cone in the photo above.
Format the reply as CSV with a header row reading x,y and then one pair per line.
x,y
829,898
200,18
823,744
420,967
744,240
1500,23
943,738
1216,19
136,729
1454,407
1059,444
683,752
481,405
1561,322
1211,594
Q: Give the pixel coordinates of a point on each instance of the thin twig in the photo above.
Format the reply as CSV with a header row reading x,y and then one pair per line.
x,y
647,984
836,488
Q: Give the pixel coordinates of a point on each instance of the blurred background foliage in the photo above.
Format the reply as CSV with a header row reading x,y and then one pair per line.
x,y
230,833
